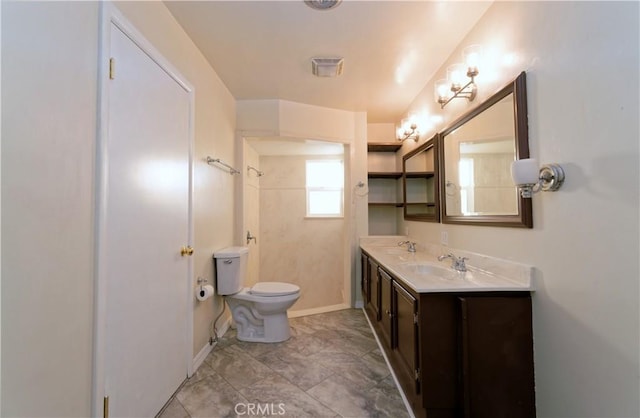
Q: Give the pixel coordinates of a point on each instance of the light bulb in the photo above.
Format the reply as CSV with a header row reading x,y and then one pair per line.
x,y
472,56
455,74
441,90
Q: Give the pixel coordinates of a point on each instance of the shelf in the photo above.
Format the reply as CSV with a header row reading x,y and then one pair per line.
x,y
420,204
384,175
386,204
419,174
383,147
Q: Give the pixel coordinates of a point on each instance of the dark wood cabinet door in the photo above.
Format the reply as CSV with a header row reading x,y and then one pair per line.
x,y
496,357
386,310
439,353
374,291
406,330
364,282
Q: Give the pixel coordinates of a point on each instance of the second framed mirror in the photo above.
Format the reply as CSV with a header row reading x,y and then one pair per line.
x,y
476,153
421,182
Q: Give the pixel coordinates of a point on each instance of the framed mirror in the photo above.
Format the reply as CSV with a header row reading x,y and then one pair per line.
x,y
476,153
420,183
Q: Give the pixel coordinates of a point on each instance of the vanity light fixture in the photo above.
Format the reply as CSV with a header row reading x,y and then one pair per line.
x,y
452,87
411,133
408,129
531,179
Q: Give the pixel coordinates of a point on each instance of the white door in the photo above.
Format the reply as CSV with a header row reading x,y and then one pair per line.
x,y
147,223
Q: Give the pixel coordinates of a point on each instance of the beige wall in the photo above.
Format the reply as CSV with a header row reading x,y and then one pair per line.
x,y
49,105
49,94
359,203
584,243
381,132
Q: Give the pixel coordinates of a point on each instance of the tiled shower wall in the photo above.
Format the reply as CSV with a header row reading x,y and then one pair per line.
x,y
305,251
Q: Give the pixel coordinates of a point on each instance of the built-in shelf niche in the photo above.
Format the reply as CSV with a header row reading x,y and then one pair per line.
x,y
385,188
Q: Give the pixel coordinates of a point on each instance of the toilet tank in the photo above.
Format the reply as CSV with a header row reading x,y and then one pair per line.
x,y
231,268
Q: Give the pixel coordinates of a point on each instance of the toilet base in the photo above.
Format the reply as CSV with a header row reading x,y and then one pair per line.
x,y
253,326
274,329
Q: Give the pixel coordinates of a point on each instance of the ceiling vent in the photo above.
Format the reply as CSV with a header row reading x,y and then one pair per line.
x,y
322,4
327,67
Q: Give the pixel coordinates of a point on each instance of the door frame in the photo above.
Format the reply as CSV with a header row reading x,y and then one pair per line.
x,y
109,14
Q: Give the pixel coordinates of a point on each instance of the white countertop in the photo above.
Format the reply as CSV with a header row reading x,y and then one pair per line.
x,y
422,271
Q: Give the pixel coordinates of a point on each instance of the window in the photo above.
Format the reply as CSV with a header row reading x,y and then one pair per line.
x,y
325,183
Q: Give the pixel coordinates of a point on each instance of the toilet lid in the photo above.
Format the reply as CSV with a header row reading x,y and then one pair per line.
x,y
274,289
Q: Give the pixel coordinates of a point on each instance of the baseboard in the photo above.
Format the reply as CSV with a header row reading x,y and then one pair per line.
x,y
199,358
359,304
314,311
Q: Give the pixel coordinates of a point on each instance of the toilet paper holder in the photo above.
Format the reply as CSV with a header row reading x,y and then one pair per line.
x,y
202,280
205,291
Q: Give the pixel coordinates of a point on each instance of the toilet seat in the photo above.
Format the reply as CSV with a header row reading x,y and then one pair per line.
x,y
273,289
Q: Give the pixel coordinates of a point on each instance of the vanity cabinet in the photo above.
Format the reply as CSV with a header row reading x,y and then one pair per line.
x,y
456,354
395,321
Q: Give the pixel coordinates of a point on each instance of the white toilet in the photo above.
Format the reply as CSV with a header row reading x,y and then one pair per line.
x,y
260,312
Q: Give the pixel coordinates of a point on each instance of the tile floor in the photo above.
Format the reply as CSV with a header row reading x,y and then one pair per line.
x,y
330,367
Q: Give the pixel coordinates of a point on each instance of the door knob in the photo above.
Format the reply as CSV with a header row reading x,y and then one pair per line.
x,y
188,250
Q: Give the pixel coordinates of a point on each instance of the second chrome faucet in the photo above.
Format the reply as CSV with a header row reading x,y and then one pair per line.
x,y
457,263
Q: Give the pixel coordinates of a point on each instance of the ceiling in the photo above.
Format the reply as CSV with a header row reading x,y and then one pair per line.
x,y
391,49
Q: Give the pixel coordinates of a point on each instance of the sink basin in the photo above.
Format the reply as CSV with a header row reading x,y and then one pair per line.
x,y
426,269
396,251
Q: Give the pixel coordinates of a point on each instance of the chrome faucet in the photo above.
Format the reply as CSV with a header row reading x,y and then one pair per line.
x,y
411,247
457,263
